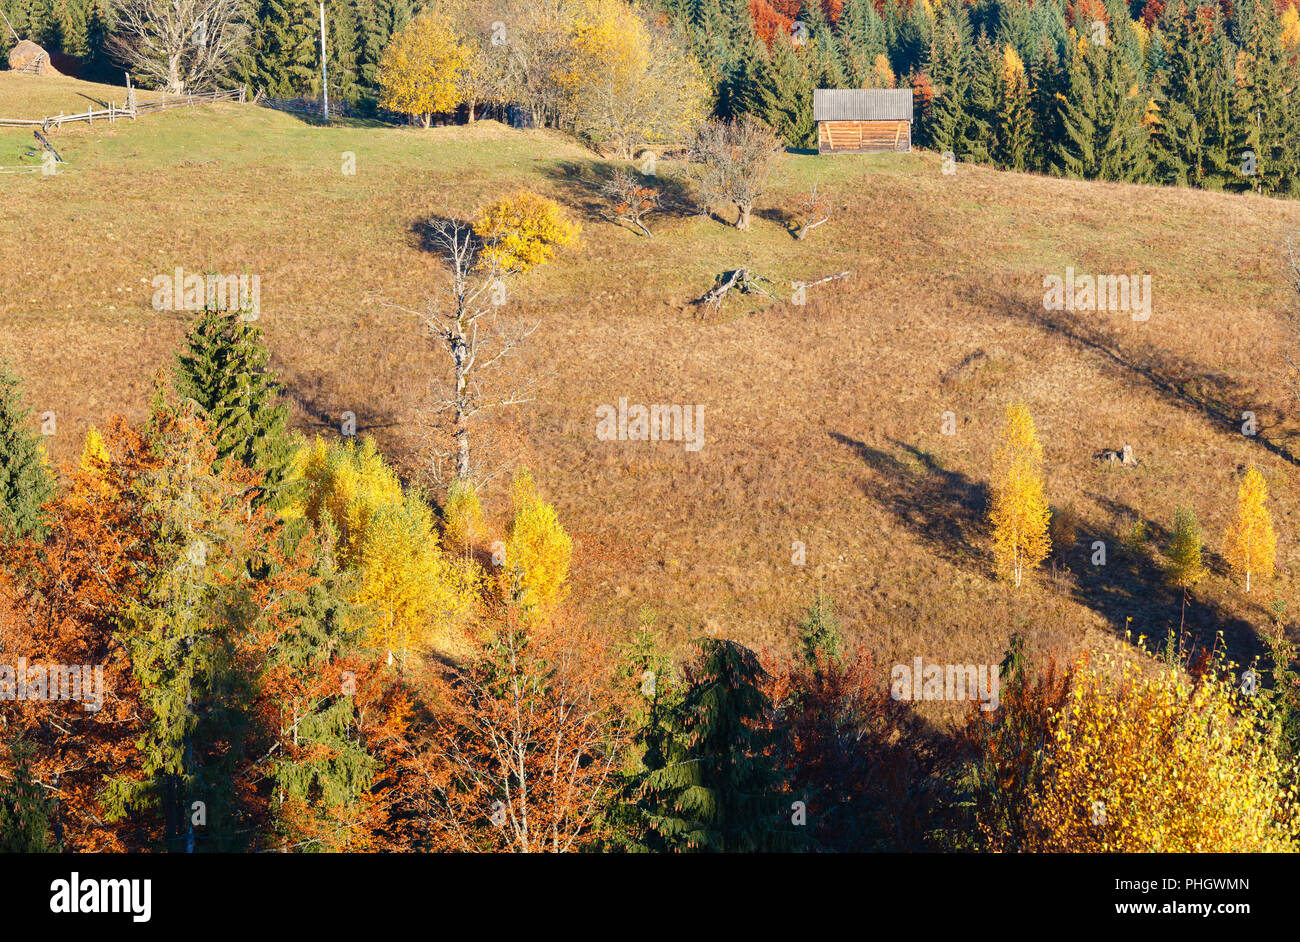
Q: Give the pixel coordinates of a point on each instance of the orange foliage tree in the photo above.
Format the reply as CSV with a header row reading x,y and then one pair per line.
x,y
524,749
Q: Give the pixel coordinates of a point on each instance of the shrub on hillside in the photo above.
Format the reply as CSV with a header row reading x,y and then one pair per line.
x,y
522,231
1126,756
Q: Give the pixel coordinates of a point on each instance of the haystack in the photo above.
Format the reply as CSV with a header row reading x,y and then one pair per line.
x,y
29,57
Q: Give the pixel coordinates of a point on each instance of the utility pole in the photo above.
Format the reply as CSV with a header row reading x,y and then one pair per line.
x,y
10,25
324,79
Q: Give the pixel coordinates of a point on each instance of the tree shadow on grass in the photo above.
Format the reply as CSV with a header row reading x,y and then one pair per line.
x,y
317,406
1215,395
944,508
1132,590
581,184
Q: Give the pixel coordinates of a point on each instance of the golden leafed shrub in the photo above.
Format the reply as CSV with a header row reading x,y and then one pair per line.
x,y
1143,758
1250,544
522,231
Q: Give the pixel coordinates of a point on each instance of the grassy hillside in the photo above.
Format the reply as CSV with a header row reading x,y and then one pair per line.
x,y
32,97
822,421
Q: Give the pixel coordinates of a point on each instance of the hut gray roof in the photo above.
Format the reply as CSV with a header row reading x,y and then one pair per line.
x,y
862,104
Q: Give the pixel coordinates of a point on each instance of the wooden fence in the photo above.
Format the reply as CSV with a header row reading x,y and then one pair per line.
x,y
131,110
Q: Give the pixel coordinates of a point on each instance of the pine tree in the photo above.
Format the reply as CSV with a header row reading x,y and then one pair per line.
x,y
25,479
1250,544
223,368
721,791
1018,510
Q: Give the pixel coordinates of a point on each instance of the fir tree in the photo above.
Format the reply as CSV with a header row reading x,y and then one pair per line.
x,y
1184,557
223,368
25,479
329,769
283,57
720,792
1267,99
862,40
182,632
1015,131
1103,134
645,667
823,58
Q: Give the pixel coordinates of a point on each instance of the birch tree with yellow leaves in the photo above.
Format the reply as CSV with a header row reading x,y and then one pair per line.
x,y
1018,510
1250,545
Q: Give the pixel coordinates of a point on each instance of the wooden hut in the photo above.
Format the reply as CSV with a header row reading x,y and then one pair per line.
x,y
863,120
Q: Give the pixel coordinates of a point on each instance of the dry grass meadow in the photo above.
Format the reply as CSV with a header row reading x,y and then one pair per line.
x,y
822,422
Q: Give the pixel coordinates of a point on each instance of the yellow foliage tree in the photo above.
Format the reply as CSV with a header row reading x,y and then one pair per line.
x,y
1143,758
522,231
1018,510
626,81
538,552
420,71
1013,68
417,594
1250,545
1291,28
882,74
462,518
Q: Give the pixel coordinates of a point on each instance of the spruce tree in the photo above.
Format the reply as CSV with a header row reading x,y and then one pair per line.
x,y
820,49
781,94
720,792
182,632
819,631
25,806
331,769
1047,85
913,32
645,667
25,479
862,39
1268,100
283,57
223,368
1103,137
1015,131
